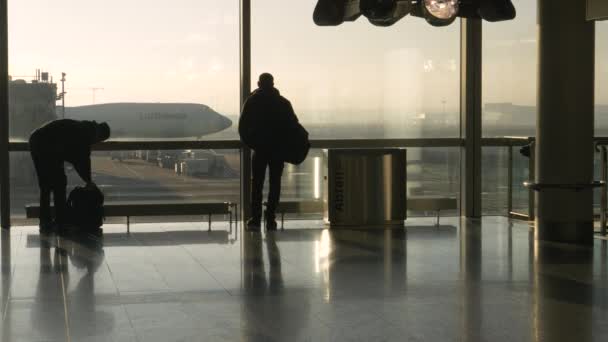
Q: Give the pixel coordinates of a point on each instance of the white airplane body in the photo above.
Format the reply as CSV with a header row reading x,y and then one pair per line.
x,y
152,120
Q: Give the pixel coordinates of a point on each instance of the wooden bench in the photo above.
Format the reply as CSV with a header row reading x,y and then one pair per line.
x,y
156,208
436,204
299,207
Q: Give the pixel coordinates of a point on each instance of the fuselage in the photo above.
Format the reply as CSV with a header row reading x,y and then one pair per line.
x,y
152,120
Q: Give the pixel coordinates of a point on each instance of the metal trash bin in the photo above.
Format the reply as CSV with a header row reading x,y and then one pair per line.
x,y
366,188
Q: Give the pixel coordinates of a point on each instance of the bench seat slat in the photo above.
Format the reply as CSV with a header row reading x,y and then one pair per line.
x,y
300,207
413,203
436,204
151,209
431,203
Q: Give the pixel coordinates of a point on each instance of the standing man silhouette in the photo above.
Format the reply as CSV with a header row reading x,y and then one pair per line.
x,y
53,144
264,121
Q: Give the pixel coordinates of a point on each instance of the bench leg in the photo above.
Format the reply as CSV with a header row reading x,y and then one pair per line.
x,y
209,222
236,213
283,221
231,221
128,225
438,213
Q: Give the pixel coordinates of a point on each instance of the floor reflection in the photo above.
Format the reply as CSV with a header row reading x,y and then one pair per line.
x,y
63,260
563,292
364,262
5,282
48,312
472,280
86,256
470,275
268,314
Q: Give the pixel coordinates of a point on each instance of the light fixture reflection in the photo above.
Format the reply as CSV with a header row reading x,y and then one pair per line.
x,y
317,178
323,249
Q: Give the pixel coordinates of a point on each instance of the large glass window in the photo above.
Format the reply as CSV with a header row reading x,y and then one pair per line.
x,y
433,173
139,176
357,80
509,92
510,73
152,69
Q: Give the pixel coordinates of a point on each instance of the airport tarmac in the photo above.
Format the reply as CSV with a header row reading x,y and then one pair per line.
x,y
139,180
134,179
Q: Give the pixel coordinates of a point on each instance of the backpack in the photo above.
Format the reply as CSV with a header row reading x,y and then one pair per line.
x,y
296,145
85,207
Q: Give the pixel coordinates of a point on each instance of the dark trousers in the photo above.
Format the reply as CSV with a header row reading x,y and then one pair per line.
x,y
51,179
258,168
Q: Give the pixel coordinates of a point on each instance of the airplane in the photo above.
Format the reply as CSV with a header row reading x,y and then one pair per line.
x,y
152,120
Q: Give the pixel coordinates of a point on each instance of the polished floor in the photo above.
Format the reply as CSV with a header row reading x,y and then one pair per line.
x,y
462,281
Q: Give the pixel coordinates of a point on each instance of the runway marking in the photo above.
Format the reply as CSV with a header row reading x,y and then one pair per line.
x,y
135,173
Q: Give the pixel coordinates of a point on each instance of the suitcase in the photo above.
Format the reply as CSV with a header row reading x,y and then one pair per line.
x,y
85,207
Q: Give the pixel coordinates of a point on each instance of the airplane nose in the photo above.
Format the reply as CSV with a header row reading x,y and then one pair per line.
x,y
218,122
228,122
225,122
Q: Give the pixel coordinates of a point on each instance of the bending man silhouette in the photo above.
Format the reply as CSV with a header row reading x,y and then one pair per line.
x,y
265,118
53,144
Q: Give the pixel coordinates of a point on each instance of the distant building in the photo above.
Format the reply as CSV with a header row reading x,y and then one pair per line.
x,y
30,105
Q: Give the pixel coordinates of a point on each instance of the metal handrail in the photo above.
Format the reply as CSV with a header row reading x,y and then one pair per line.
x,y
531,161
127,145
149,145
601,143
130,145
506,141
378,143
564,186
22,146
604,198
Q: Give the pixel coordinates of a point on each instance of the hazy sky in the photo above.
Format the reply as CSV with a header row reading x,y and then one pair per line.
x,y
137,50
187,50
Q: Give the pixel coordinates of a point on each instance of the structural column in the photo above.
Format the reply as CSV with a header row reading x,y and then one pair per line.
x,y
5,206
470,117
564,130
471,290
245,42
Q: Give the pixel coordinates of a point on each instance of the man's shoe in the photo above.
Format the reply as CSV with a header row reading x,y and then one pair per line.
x,y
253,225
95,233
47,227
65,229
271,224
